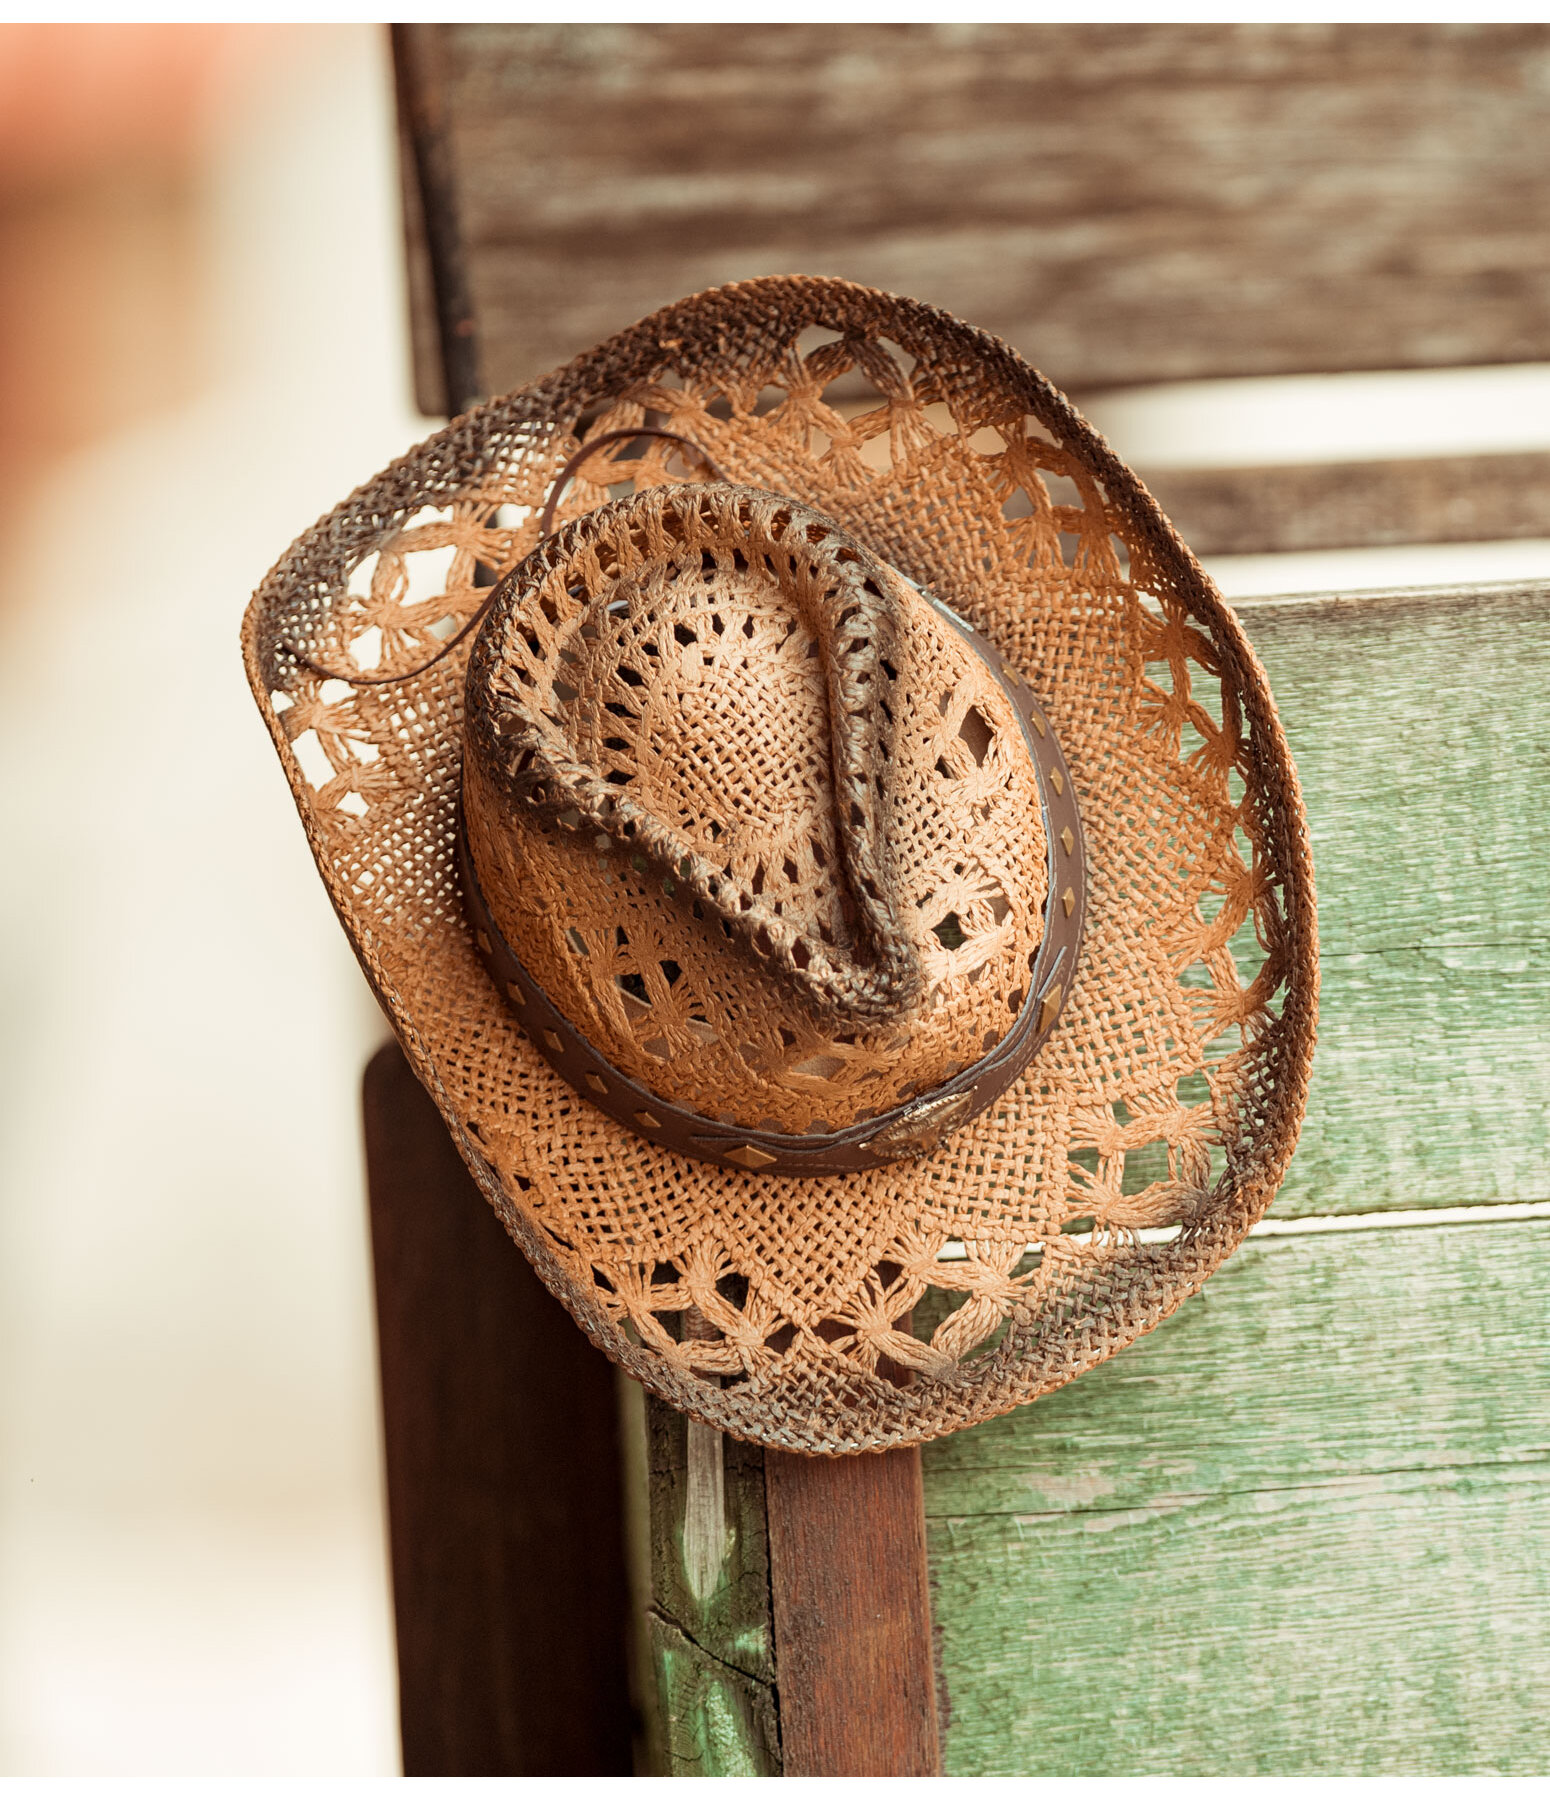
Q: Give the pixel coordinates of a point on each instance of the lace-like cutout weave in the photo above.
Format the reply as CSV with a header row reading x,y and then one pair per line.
x,y
1151,1129
676,697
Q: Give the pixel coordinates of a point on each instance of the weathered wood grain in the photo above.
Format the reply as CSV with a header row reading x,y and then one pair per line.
x,y
715,1719
1302,1528
1420,723
433,215
1324,506
852,1614
1122,202
503,1481
425,334
711,1642
810,1570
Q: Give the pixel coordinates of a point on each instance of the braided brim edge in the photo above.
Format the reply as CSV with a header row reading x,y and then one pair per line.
x,y
1117,1290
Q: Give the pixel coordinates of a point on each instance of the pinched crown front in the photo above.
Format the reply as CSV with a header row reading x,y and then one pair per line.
x,y
759,821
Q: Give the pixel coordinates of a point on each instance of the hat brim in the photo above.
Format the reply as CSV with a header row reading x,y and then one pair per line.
x,y
848,1312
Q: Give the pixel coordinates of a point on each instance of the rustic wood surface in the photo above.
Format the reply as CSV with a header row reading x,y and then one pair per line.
x,y
711,1645
852,1614
503,1479
444,332
1326,506
789,1620
1123,203
1421,730
1302,1528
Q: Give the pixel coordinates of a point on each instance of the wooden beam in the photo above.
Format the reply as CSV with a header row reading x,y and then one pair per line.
x,y
787,1614
1417,721
1303,1528
852,1614
1122,202
1343,506
503,1477
445,334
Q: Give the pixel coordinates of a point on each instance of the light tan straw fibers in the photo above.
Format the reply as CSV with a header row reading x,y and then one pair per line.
x,y
892,1305
702,706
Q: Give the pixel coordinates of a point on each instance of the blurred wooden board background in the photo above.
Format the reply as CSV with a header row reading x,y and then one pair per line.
x,y
1122,204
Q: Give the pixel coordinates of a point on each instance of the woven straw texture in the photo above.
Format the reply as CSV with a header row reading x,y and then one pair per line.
x,y
1150,1131
671,696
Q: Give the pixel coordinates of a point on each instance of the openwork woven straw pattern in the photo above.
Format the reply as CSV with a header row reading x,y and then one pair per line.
x,y
662,678
1150,1131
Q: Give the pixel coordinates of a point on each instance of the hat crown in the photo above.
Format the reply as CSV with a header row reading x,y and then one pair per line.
x,y
762,824
642,687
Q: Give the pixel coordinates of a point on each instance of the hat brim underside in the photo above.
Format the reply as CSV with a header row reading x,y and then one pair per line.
x,y
858,1312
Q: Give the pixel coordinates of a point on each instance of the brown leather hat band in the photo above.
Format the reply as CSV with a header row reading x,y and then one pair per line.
x,y
909,1130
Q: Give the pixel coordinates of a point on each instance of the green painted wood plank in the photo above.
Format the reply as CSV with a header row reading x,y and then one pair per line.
x,y
1281,1635
717,1593
1420,723
1303,1527
709,1688
715,1720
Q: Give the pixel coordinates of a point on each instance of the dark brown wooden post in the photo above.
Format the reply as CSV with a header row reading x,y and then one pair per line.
x,y
505,1498
852,1614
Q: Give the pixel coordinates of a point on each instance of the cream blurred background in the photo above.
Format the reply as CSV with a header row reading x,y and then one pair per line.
x,y
204,323
203,346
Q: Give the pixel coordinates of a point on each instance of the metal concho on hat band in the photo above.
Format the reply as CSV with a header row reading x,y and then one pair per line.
x,y
909,1130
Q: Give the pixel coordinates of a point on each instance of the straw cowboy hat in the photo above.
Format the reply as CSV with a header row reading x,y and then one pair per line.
x,y
825,845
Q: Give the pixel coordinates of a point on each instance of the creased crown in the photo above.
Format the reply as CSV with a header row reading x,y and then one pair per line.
x,y
617,611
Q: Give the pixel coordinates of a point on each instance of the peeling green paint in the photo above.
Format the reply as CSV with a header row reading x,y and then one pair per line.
x,y
1301,1528
708,1633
